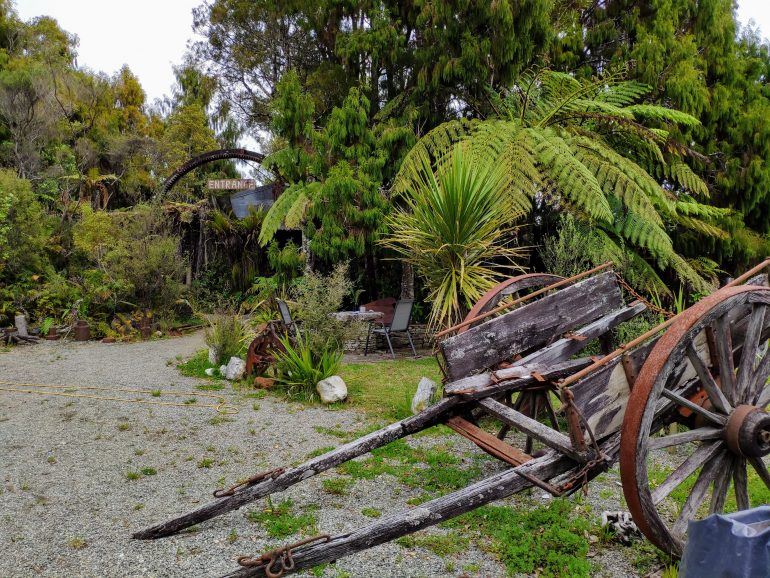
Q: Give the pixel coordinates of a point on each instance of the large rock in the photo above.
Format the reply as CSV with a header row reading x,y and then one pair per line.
x,y
332,389
235,369
426,389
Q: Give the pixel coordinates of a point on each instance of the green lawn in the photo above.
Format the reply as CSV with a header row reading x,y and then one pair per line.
x,y
385,389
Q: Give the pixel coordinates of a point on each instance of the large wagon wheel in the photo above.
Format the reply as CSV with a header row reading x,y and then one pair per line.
x,y
531,403
711,366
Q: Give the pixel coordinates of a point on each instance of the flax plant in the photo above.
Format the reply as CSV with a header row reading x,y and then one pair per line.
x,y
455,228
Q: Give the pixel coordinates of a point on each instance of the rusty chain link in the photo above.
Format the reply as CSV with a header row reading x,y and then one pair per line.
x,y
249,482
647,303
277,562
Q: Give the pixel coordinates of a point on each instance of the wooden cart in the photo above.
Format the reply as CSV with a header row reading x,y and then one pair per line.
x,y
705,370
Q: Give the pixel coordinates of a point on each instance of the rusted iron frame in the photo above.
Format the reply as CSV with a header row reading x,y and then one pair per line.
x,y
510,304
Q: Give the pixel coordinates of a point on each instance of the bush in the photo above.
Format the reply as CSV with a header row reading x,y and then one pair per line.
x,y
317,298
226,335
131,258
299,368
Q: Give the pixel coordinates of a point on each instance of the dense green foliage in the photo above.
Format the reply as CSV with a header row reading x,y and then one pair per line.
x,y
590,149
644,121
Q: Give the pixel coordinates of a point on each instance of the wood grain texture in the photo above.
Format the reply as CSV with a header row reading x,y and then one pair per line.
x,y
530,326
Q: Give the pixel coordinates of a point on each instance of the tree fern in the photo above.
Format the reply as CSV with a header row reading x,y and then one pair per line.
x,y
597,152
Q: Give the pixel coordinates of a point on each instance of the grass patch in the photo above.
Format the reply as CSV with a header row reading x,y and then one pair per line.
x,y
371,512
337,486
78,543
385,389
549,541
439,544
197,365
433,469
132,475
205,463
279,521
148,471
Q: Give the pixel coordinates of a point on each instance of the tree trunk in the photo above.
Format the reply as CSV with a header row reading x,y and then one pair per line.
x,y
407,280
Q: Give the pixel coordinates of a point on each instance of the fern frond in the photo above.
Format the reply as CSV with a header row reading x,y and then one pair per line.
x,y
702,227
569,176
622,93
682,174
646,112
277,213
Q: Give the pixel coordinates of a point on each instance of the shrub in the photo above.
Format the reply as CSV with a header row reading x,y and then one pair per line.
x,y
299,368
317,297
226,335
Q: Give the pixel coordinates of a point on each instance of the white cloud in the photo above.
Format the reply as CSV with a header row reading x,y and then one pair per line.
x,y
756,10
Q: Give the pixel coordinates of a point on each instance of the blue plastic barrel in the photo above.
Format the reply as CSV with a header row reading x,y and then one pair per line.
x,y
728,546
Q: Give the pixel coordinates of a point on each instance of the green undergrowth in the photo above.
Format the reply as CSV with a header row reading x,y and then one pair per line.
x,y
280,521
197,365
440,544
433,470
550,540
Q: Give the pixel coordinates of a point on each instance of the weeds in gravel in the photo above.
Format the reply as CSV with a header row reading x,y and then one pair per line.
x,y
439,544
371,512
232,536
148,471
78,543
433,470
123,426
205,463
132,475
279,521
337,486
319,452
549,540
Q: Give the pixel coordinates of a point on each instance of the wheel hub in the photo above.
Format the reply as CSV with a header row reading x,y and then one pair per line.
x,y
747,431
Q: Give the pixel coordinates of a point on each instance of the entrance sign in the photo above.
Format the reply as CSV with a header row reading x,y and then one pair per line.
x,y
231,184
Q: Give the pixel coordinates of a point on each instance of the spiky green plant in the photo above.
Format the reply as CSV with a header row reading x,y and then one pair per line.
x,y
585,147
299,368
454,229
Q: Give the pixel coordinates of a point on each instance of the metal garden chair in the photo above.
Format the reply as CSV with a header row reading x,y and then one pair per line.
x,y
402,316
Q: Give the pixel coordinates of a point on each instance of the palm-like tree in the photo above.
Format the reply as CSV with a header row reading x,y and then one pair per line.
x,y
587,148
453,227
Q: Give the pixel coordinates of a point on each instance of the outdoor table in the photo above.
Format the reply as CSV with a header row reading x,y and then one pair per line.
x,y
358,315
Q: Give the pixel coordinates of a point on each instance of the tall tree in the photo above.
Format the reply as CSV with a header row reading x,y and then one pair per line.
x,y
694,57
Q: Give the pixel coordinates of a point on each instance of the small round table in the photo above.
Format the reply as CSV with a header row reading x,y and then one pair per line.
x,y
358,315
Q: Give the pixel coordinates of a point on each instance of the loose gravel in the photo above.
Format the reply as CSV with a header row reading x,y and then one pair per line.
x,y
68,505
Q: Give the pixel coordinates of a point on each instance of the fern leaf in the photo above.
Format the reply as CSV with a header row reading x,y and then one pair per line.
x,y
644,112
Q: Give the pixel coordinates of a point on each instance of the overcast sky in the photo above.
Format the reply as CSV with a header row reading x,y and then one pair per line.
x,y
151,35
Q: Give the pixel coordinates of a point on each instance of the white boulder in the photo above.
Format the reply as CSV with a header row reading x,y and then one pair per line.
x,y
210,371
235,369
332,389
426,389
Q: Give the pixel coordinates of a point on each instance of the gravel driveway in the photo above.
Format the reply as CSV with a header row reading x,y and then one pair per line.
x,y
68,504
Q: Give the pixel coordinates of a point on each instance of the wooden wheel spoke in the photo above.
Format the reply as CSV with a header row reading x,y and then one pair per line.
x,y
759,381
721,486
724,343
697,494
718,399
746,385
741,484
761,469
693,435
699,457
709,415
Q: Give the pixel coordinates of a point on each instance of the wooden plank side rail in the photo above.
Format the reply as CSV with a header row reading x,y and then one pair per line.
x,y
531,325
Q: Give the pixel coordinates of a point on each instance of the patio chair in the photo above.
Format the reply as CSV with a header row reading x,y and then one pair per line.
x,y
289,323
402,316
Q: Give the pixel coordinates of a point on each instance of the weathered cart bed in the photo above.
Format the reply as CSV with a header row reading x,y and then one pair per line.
x,y
705,370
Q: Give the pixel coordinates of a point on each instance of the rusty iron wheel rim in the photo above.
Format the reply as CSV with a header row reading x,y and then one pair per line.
x,y
492,297
640,414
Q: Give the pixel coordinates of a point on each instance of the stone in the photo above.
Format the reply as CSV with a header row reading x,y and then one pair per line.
x,y
210,371
213,356
235,369
332,389
423,397
222,370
